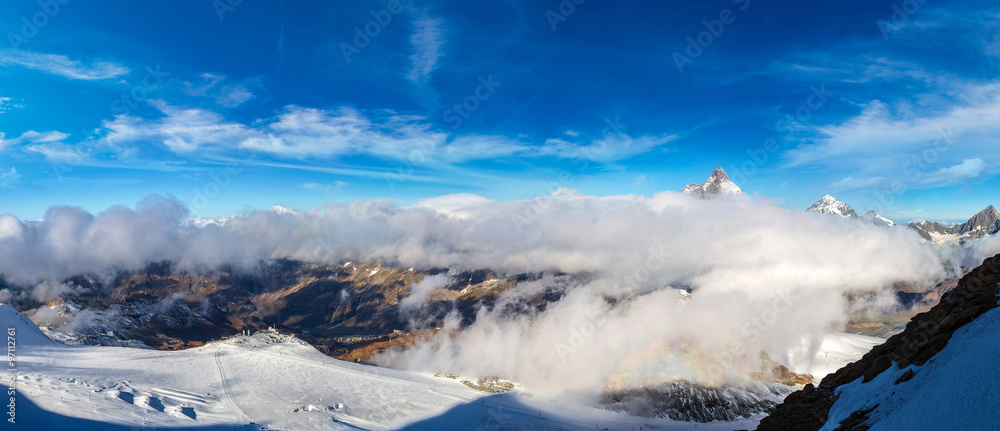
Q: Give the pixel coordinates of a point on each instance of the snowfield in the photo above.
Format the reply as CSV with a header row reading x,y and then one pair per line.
x,y
955,390
266,381
823,354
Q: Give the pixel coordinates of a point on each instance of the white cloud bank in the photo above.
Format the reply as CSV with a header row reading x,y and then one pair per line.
x,y
760,276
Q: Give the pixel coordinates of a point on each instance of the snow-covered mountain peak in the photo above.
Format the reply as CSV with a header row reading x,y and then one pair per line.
x,y
831,206
716,186
877,220
280,209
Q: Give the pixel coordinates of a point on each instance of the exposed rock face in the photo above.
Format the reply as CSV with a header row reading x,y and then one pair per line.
x,y
717,186
925,228
986,222
831,206
684,401
926,335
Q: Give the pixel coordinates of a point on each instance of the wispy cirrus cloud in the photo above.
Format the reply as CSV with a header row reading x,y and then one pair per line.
x,y
302,133
968,170
609,148
882,128
10,178
214,86
34,137
852,183
337,187
428,42
62,65
182,130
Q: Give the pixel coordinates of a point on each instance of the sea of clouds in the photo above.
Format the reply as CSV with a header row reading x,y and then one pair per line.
x,y
653,288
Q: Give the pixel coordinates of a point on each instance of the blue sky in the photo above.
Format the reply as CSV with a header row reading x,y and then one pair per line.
x,y
887,105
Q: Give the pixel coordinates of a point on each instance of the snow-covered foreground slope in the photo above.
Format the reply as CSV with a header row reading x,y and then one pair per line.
x,y
823,354
956,390
269,380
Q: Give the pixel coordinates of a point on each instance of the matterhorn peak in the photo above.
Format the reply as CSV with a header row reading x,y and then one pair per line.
x,y
717,186
831,206
719,174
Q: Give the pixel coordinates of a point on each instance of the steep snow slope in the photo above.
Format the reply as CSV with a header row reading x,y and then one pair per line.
x,y
956,390
826,353
938,374
270,380
877,220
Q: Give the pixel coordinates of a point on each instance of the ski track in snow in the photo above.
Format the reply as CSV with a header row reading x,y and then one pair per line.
x,y
225,387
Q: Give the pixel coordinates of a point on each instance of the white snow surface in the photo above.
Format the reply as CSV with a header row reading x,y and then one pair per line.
x,y
877,220
822,354
267,381
831,206
955,390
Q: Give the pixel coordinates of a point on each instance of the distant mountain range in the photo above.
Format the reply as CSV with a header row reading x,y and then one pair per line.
x,y
831,206
985,223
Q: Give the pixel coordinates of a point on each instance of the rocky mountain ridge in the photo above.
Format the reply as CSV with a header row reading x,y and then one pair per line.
x,y
985,222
